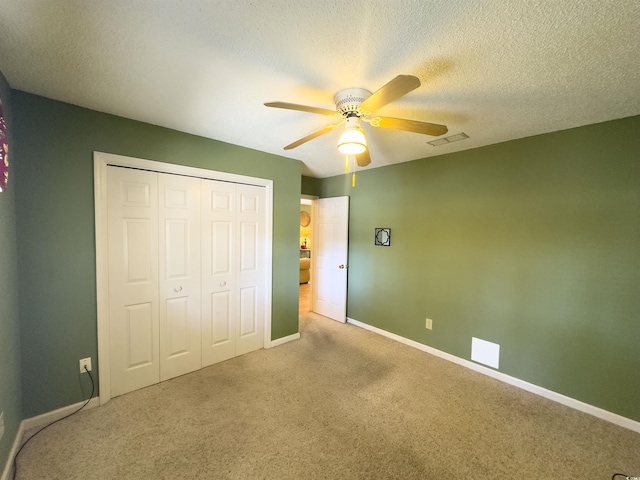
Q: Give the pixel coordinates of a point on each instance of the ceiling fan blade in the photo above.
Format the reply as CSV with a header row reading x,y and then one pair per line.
x,y
313,135
432,129
303,108
396,88
363,159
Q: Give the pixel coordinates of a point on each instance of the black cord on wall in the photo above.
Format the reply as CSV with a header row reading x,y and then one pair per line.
x,y
15,459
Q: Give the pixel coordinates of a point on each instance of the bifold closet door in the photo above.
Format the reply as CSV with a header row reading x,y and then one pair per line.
x,y
133,279
250,269
233,235
186,274
218,277
154,277
179,274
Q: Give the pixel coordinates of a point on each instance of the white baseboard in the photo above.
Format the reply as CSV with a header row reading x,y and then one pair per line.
x,y
516,382
17,442
39,421
54,415
283,340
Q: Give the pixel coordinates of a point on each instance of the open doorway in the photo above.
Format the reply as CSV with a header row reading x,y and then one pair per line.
x,y
306,251
324,249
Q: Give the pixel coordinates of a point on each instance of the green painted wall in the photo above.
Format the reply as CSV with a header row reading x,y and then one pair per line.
x,y
311,186
55,230
10,391
533,244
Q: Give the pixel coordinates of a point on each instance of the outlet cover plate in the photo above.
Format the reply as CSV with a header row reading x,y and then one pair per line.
x,y
87,362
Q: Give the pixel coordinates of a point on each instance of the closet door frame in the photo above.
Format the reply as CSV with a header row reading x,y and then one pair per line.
x,y
100,163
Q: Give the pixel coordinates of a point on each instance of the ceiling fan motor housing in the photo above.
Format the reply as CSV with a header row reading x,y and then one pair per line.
x,y
348,101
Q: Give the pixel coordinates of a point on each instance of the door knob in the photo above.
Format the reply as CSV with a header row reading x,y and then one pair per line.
x,y
342,266
177,289
222,284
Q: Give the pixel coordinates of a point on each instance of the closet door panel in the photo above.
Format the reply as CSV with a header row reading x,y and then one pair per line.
x,y
138,333
179,286
133,279
248,312
250,272
218,265
248,247
178,341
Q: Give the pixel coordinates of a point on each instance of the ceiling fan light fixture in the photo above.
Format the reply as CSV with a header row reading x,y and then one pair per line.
x,y
352,141
357,104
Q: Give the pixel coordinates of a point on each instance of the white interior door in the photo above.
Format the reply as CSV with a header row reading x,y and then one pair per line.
x,y
133,279
329,289
233,275
218,278
250,268
179,272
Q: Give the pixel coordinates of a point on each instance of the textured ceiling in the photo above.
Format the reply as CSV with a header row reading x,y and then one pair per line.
x,y
495,70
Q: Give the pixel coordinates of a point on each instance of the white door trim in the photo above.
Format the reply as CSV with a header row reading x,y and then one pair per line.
x,y
100,162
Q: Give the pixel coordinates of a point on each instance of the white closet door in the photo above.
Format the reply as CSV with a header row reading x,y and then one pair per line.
x,y
250,268
218,266
186,274
233,266
179,272
133,279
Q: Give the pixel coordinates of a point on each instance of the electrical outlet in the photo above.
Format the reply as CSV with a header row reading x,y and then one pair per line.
x,y
429,324
85,362
1,425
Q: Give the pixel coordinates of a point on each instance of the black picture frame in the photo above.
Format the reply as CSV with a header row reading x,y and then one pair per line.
x,y
383,237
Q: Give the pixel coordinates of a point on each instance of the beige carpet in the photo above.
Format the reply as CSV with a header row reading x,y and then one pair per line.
x,y
340,403
304,299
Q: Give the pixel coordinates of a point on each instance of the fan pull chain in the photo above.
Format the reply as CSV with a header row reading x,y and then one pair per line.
x,y
353,168
353,176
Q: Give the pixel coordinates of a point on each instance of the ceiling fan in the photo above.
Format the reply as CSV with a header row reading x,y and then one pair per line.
x,y
355,105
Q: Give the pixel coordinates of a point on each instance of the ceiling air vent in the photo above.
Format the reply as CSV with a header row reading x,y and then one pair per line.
x,y
450,139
